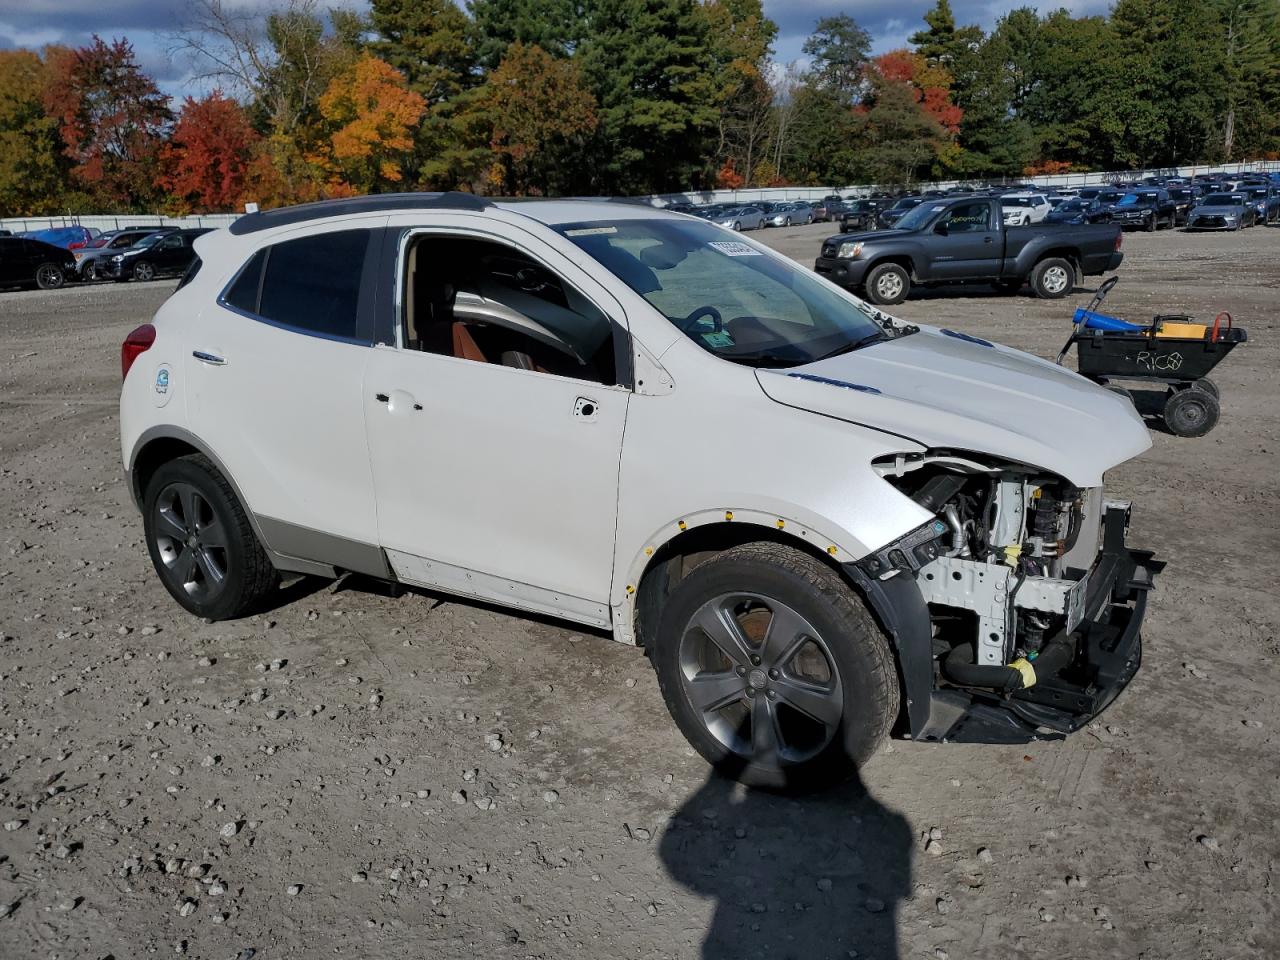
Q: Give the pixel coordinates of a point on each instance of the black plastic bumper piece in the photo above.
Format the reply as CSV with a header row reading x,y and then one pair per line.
x,y
1109,653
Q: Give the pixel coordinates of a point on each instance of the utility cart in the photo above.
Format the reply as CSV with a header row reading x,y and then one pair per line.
x,y
1175,350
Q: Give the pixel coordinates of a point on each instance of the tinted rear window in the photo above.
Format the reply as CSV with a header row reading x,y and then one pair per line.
x,y
313,283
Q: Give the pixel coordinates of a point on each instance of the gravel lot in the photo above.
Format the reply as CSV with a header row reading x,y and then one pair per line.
x,y
363,775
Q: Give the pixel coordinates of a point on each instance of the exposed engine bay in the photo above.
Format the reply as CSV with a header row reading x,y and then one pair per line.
x,y
1010,569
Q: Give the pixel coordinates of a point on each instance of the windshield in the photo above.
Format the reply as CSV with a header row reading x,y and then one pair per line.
x,y
919,216
906,203
150,239
1074,206
1221,200
1015,201
724,294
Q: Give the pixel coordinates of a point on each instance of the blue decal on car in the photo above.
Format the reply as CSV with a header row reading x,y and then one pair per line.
x,y
861,387
964,336
162,380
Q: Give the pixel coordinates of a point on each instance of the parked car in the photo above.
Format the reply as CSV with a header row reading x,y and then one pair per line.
x,y
1222,211
1184,198
1145,210
165,253
822,210
89,257
531,430
25,263
66,237
740,218
790,213
1023,209
887,218
947,241
1079,210
1265,201
861,214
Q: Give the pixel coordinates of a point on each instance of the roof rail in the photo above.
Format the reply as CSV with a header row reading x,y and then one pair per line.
x,y
301,213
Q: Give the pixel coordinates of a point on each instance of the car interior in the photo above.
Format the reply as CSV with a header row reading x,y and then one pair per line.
x,y
487,302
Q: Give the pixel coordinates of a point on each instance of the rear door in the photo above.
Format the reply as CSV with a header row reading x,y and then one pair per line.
x,y
12,268
274,389
967,242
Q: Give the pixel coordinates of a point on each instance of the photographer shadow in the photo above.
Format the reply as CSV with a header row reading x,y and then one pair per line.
x,y
793,878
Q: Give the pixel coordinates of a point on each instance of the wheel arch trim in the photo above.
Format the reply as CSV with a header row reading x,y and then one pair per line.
x,y
838,549
168,432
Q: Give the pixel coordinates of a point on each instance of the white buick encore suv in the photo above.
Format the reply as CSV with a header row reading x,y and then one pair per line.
x,y
821,522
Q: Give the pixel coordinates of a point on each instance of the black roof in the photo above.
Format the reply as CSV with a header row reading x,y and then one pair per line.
x,y
383,202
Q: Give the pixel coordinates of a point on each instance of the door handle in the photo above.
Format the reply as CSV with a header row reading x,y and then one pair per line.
x,y
988,240
209,358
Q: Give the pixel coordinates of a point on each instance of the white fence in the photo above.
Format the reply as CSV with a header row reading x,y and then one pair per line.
x,y
115,222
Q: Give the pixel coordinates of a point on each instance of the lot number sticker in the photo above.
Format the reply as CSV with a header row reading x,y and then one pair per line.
x,y
734,248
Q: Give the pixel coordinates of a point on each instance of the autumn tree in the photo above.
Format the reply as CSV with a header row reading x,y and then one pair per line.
x,y
31,169
538,112
369,115
209,157
911,121
741,38
112,119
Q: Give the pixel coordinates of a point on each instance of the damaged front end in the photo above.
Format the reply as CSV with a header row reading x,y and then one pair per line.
x,y
1016,611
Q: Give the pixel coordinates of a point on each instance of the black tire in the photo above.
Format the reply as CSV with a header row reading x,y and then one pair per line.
x,y
1208,386
1191,412
219,537
1150,226
143,271
90,271
49,276
888,283
1053,278
858,665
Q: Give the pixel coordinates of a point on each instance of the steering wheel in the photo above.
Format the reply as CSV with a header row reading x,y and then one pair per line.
x,y
704,311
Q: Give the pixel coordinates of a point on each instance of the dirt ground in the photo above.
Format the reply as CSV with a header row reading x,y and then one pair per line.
x,y
361,775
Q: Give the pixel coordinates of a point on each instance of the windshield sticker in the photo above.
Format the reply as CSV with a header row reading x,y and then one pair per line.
x,y
590,231
734,248
717,338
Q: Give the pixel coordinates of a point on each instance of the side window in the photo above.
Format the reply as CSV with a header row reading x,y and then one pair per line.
x,y
311,284
487,302
170,243
968,218
243,292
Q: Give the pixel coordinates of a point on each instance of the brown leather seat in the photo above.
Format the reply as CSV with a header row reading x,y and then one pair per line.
x,y
464,344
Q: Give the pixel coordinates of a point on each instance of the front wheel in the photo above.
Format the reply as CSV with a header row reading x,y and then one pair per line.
x,y
201,543
773,669
1191,412
49,276
1053,278
888,284
143,271
1150,224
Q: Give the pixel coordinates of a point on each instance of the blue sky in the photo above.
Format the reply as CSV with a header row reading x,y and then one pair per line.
x,y
148,24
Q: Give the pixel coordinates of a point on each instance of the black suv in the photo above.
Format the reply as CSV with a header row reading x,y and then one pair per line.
x,y
1145,209
25,262
167,252
861,214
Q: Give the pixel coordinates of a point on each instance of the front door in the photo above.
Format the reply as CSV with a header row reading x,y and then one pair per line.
x,y
495,427
971,246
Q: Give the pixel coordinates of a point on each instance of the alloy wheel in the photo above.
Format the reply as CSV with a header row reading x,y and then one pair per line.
x,y
191,540
762,679
48,276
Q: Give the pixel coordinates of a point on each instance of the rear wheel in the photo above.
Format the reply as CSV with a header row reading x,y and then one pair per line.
x,y
143,271
49,276
1053,278
201,542
889,283
773,669
1191,412
1150,224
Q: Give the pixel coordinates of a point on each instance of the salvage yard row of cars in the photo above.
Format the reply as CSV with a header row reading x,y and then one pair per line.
x,y
50,258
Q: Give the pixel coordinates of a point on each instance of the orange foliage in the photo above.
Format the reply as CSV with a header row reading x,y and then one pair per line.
x,y
727,178
931,85
1047,167
208,157
371,114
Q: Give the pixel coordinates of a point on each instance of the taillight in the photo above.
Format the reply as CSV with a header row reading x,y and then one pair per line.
x,y
137,343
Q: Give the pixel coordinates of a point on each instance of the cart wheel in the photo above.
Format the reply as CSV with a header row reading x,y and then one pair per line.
x,y
1208,386
1191,412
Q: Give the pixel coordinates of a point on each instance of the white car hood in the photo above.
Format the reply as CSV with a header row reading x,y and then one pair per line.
x,y
948,390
